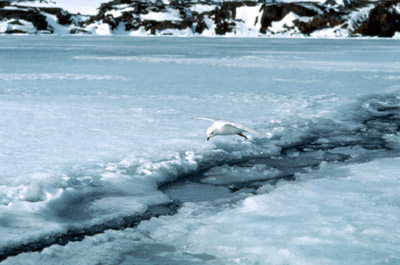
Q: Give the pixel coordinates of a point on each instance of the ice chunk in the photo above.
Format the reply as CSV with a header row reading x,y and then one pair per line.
x,y
33,193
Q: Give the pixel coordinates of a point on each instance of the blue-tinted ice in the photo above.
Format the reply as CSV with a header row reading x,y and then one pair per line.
x,y
91,127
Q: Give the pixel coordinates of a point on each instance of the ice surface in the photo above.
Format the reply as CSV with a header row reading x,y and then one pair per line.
x,y
336,215
91,126
231,174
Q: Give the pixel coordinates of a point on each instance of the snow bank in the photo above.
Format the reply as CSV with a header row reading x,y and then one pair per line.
x,y
286,25
18,26
202,8
337,31
162,16
119,10
98,28
396,35
249,24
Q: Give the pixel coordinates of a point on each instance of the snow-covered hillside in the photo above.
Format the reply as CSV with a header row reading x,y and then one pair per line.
x,y
318,18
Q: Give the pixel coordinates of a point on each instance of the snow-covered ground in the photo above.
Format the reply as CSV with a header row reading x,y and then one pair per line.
x,y
91,126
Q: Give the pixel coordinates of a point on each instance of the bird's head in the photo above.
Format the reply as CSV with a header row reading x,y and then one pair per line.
x,y
211,132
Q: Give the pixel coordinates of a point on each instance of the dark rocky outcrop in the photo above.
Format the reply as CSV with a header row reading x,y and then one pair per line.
x,y
155,26
277,12
225,14
383,21
33,16
36,16
64,18
328,19
4,3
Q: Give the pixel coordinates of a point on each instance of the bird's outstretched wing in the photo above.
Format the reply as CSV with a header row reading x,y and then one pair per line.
x,y
245,128
206,119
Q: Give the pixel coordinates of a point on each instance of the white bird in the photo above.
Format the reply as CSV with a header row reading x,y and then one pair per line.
x,y
220,127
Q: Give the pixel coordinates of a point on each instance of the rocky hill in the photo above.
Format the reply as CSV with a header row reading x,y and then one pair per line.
x,y
329,18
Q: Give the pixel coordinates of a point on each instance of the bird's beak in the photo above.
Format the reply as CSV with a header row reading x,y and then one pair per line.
x,y
208,138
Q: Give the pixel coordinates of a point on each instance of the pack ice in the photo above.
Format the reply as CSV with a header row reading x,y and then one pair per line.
x,y
101,161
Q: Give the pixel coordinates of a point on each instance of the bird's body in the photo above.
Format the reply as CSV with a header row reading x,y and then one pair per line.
x,y
220,127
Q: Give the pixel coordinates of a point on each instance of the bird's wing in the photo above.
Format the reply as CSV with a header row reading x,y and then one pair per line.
x,y
206,119
245,128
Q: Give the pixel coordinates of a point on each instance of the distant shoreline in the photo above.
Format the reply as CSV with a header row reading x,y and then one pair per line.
x,y
236,19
